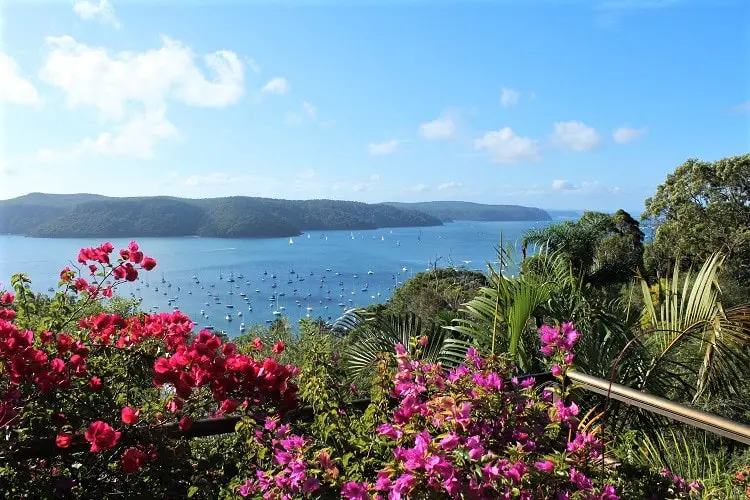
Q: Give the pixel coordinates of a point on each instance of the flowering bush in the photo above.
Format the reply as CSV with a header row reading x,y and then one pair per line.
x,y
78,380
98,400
476,431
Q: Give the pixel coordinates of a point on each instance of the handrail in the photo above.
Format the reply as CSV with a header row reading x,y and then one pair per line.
x,y
675,411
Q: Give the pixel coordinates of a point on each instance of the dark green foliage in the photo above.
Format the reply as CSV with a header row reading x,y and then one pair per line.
x,y
603,249
448,211
86,215
436,295
701,208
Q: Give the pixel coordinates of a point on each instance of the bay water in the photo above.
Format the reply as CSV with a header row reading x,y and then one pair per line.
x,y
225,283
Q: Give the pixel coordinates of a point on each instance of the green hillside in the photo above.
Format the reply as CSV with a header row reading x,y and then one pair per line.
x,y
87,215
448,211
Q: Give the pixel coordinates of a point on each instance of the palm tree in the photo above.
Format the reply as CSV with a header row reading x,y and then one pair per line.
x,y
688,327
372,334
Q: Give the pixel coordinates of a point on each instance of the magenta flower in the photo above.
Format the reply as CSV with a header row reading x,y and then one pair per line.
x,y
355,491
545,466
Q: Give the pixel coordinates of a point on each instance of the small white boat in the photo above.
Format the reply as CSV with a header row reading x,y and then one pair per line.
x,y
291,241
370,272
239,313
228,317
277,313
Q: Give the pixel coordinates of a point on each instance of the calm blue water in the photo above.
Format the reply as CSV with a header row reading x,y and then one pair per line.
x,y
369,265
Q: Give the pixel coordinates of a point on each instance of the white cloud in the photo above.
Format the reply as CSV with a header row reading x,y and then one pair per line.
x,y
383,148
448,185
277,85
360,186
420,188
509,97
374,177
14,88
561,184
91,76
136,138
585,187
624,135
743,107
575,135
507,148
309,109
438,129
103,11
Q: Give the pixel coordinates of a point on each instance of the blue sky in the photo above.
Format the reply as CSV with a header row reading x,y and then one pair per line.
x,y
551,104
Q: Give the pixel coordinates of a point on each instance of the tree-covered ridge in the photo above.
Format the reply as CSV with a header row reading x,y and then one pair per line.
x,y
448,211
85,215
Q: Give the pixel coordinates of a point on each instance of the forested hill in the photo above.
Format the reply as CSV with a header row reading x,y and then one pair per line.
x,y
88,215
448,211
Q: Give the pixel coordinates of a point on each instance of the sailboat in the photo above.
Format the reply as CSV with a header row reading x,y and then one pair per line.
x,y
382,238
291,241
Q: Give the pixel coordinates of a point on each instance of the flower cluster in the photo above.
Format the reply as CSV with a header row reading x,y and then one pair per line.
x,y
232,377
476,431
292,472
97,260
680,486
48,361
197,366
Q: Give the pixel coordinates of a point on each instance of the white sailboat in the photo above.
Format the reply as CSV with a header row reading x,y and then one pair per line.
x,y
291,241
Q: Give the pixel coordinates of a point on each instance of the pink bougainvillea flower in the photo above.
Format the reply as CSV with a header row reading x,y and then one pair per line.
x,y
133,459
129,415
63,439
101,436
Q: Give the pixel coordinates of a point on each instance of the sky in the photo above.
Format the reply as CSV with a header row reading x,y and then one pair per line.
x,y
575,104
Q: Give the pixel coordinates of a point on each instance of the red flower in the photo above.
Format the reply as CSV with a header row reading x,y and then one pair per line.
x,y
133,459
136,257
63,439
64,341
278,347
185,423
7,298
95,384
257,343
107,247
107,292
228,406
130,416
131,274
81,284
101,436
119,272
46,336
148,263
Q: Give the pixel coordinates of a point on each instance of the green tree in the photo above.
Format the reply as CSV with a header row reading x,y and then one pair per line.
x,y
701,208
603,249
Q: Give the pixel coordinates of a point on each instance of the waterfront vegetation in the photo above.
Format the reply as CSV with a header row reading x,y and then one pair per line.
x,y
421,397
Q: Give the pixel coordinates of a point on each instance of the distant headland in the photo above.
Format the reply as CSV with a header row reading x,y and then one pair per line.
x,y
91,215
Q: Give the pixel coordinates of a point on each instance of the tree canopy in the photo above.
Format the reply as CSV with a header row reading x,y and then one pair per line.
x,y
701,208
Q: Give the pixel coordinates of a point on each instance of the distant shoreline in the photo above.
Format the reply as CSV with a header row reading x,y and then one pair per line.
x,y
40,215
